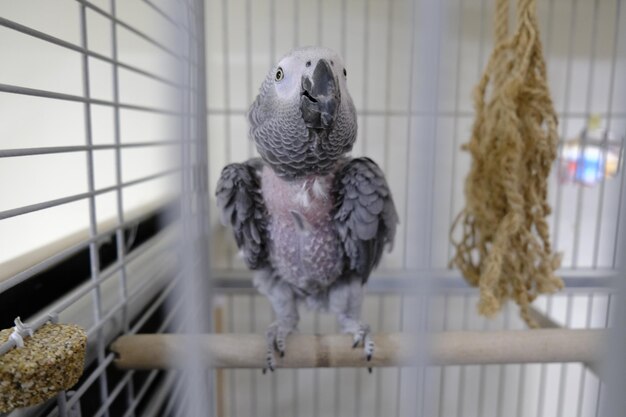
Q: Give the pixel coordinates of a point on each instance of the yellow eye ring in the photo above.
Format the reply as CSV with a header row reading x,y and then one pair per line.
x,y
279,74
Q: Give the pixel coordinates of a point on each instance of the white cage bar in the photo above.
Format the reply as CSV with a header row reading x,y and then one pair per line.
x,y
154,45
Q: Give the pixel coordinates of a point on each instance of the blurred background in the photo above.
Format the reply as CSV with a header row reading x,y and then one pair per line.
x,y
64,200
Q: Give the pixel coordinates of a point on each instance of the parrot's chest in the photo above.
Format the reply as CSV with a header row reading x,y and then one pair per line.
x,y
305,248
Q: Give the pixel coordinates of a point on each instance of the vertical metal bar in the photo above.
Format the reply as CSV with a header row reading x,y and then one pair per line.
x,y
199,399
316,372
431,21
482,377
272,32
296,23
379,380
249,88
566,107
274,382
520,390
542,372
319,22
399,383
62,404
253,372
619,215
203,129
598,230
231,375
600,383
501,386
455,127
296,405
610,109
274,393
357,393
461,389
366,48
171,403
226,75
344,28
408,129
119,233
583,376
486,323
387,138
481,47
227,114
421,369
94,257
182,408
160,394
564,367
337,384
615,373
550,24
442,380
580,190
543,367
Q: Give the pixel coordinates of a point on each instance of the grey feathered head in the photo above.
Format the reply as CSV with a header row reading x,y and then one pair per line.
x,y
303,119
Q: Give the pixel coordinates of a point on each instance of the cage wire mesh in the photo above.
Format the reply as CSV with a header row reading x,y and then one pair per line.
x,y
103,137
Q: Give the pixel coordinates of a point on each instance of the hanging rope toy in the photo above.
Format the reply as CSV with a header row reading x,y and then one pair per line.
x,y
505,246
36,362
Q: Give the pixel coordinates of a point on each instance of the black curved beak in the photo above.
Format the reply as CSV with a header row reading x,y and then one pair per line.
x,y
320,97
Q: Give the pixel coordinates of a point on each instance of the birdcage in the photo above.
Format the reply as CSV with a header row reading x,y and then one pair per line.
x,y
116,118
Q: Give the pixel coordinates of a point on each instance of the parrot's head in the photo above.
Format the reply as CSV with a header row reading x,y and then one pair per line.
x,y
303,119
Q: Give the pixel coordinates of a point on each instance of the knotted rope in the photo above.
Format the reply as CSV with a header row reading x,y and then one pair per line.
x,y
505,246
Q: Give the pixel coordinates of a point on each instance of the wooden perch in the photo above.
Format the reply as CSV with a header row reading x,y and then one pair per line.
x,y
159,351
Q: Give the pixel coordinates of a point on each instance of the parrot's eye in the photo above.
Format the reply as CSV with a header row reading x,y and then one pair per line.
x,y
345,73
279,74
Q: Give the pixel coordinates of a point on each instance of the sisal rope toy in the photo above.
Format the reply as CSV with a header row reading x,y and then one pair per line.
x,y
505,247
36,364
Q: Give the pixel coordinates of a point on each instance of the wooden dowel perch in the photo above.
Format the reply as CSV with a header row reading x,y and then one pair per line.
x,y
159,351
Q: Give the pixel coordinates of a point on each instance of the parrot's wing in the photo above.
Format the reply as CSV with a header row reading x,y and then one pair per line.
x,y
365,216
240,201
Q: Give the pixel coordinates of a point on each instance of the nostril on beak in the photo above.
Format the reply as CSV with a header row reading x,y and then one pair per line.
x,y
320,97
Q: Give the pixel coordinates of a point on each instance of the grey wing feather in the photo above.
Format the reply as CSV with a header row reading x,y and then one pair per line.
x,y
365,215
241,204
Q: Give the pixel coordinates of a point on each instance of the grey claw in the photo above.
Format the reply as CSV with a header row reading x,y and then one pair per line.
x,y
369,370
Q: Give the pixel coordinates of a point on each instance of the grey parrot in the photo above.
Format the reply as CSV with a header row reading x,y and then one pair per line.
x,y
311,221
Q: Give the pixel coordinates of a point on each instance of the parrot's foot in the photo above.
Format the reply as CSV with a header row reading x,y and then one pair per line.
x,y
276,338
362,336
